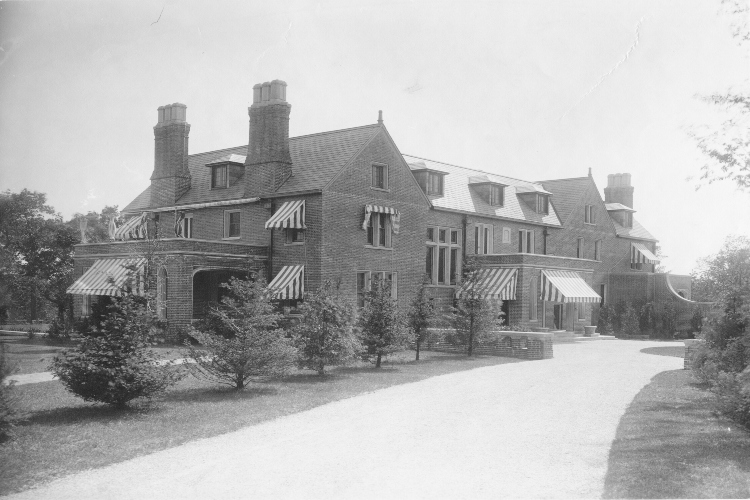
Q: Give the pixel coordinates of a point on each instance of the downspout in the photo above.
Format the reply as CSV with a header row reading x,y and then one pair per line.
x,y
463,240
270,248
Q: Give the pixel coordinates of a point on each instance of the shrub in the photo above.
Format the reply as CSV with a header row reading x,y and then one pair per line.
x,y
249,343
629,322
474,316
421,310
325,335
381,325
8,399
606,317
117,366
647,317
696,321
733,395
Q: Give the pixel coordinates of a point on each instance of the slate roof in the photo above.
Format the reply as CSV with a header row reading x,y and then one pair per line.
x,y
567,194
637,231
618,206
459,196
316,159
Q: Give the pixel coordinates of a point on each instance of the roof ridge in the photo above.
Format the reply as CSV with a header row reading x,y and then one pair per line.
x,y
335,131
474,169
217,151
567,179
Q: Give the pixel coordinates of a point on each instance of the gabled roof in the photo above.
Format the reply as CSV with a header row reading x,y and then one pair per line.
x,y
637,231
316,159
568,194
458,195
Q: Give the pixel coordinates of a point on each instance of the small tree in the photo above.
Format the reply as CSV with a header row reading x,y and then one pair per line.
x,y
696,321
8,400
418,318
325,336
474,316
381,324
630,324
606,315
250,343
117,366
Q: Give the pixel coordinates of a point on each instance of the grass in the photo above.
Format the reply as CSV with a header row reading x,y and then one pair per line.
x,y
63,435
670,444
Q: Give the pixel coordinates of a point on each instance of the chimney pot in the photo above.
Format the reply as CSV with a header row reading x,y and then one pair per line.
x,y
380,117
265,92
256,93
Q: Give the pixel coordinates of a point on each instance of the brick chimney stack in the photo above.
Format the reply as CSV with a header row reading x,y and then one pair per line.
x,y
268,162
619,190
171,177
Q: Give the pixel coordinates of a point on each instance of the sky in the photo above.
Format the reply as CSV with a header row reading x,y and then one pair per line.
x,y
529,89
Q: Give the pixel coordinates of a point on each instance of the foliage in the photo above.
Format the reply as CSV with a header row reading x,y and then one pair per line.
x,y
250,344
725,273
647,317
666,320
696,321
421,310
381,325
8,399
606,318
325,336
629,321
95,226
474,317
620,308
118,366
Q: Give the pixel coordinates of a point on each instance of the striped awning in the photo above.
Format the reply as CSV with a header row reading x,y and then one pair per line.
x,y
639,254
289,283
492,284
395,216
290,215
108,276
566,286
134,229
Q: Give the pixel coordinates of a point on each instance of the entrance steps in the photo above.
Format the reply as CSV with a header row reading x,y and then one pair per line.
x,y
562,336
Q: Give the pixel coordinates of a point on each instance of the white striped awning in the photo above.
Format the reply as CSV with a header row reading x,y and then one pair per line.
x,y
492,284
290,215
639,254
289,283
108,276
566,286
395,216
134,229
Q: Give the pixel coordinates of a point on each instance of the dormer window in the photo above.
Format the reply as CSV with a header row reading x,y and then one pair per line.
x,y
493,193
434,184
219,177
542,204
497,195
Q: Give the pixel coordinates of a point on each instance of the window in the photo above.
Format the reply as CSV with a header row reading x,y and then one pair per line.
x,y
365,279
294,235
581,307
588,216
379,230
86,305
533,297
598,250
442,264
219,177
161,293
496,195
483,239
579,248
506,235
526,241
363,286
434,184
602,290
628,219
232,224
542,204
379,176
185,228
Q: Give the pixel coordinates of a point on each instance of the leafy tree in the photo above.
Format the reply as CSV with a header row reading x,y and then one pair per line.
x,y
96,225
117,366
325,336
727,273
418,318
696,321
8,399
250,345
630,325
382,327
606,318
474,317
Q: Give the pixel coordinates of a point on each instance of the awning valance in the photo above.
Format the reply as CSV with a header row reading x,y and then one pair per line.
x,y
492,284
566,286
639,254
395,216
290,215
134,229
108,276
289,283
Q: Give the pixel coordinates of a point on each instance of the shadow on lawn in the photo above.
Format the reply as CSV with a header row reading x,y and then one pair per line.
x,y
676,351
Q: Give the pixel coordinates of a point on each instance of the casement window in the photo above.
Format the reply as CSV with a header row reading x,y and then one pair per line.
x,y
219,177
526,243
434,184
379,176
628,219
442,262
506,235
533,298
86,306
294,235
579,248
497,195
484,236
542,204
588,215
598,250
379,230
365,280
231,224
185,226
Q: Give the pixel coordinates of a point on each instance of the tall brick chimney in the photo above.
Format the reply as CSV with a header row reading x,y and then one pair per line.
x,y
171,177
619,190
268,163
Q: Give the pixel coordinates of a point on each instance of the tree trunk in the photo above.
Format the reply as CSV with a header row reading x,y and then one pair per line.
x,y
321,369
377,363
417,343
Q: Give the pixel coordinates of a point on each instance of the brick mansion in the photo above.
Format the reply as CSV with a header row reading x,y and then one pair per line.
x,y
349,206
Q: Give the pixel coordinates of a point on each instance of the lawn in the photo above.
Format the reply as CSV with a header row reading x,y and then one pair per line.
x,y
670,444
62,434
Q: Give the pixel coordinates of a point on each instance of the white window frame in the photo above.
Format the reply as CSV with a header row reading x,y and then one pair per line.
x,y
588,216
369,276
526,241
434,246
384,166
598,250
226,177
542,202
534,299
506,235
375,225
289,234
484,239
499,200
227,218
438,179
86,306
580,242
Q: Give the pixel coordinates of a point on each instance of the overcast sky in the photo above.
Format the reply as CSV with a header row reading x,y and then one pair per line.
x,y
529,89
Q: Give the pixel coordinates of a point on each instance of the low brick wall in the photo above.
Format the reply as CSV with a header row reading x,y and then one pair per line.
x,y
691,345
25,327
522,345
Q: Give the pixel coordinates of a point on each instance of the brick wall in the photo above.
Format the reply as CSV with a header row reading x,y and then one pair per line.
x,y
307,253
523,345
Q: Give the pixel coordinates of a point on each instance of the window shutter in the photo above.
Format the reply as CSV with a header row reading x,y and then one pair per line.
x,y
532,242
490,245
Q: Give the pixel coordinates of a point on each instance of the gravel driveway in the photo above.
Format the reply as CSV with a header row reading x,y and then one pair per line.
x,y
534,429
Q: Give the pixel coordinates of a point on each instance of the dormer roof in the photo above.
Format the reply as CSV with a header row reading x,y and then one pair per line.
x,y
614,207
230,158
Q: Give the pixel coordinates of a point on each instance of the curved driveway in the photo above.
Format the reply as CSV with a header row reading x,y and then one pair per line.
x,y
533,429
